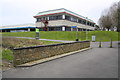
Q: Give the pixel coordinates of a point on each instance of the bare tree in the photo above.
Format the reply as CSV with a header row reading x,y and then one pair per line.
x,y
101,23
111,17
105,22
114,14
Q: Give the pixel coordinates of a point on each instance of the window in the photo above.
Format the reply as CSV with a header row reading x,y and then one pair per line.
x,y
83,22
74,19
51,18
55,17
67,17
59,17
79,20
88,23
38,19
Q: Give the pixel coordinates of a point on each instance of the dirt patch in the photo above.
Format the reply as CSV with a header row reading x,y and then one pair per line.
x,y
11,43
6,65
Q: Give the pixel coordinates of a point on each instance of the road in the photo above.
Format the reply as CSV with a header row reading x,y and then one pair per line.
x,y
93,63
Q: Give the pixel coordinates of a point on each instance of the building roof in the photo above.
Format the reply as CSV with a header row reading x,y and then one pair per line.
x,y
61,10
17,26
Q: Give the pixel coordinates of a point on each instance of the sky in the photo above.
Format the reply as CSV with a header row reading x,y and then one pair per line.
x,y
14,12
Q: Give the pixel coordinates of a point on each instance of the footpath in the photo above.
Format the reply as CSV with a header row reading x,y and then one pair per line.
x,y
63,41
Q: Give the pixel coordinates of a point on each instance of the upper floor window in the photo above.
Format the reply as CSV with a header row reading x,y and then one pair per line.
x,y
74,19
83,22
55,17
38,19
79,20
67,17
59,17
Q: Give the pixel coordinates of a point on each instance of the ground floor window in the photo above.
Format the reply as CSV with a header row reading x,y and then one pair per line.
x,y
67,28
54,28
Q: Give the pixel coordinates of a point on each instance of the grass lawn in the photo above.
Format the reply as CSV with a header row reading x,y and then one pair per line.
x,y
68,35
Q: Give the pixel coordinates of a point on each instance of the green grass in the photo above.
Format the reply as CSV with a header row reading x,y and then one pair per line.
x,y
68,35
6,54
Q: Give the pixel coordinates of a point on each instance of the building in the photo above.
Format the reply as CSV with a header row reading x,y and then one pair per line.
x,y
63,20
18,28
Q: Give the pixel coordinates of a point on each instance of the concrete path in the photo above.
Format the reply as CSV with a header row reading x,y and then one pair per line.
x,y
93,63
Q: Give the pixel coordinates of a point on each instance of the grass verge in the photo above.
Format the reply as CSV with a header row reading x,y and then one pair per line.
x,y
69,35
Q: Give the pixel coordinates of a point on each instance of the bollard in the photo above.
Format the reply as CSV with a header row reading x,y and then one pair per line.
x,y
37,36
100,44
37,33
77,39
110,43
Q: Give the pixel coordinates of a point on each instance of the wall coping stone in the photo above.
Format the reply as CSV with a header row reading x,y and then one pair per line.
x,y
48,45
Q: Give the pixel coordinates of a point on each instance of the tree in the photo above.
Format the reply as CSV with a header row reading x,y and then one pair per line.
x,y
114,14
105,22
111,17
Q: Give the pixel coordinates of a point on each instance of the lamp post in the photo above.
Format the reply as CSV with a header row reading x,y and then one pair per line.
x,y
77,34
86,34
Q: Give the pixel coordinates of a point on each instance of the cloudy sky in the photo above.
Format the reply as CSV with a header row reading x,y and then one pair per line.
x,y
22,11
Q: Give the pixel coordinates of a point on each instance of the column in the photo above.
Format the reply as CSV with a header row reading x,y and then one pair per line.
x,y
28,29
77,29
71,29
63,16
63,28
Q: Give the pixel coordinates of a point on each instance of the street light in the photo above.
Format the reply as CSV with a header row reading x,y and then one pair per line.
x,y
77,34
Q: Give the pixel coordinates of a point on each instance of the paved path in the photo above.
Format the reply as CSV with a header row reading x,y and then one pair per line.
x,y
93,63
63,41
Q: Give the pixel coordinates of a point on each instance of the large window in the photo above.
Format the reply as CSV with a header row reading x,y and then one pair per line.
x,y
74,19
55,17
79,20
42,18
90,24
83,22
67,17
38,19
59,17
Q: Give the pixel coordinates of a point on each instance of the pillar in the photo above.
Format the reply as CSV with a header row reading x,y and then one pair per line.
x,y
71,29
63,16
28,29
63,28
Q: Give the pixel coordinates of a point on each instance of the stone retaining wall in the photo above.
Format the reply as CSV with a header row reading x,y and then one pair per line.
x,y
27,54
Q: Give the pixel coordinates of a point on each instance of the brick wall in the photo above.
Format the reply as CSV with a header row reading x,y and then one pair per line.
x,y
27,54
